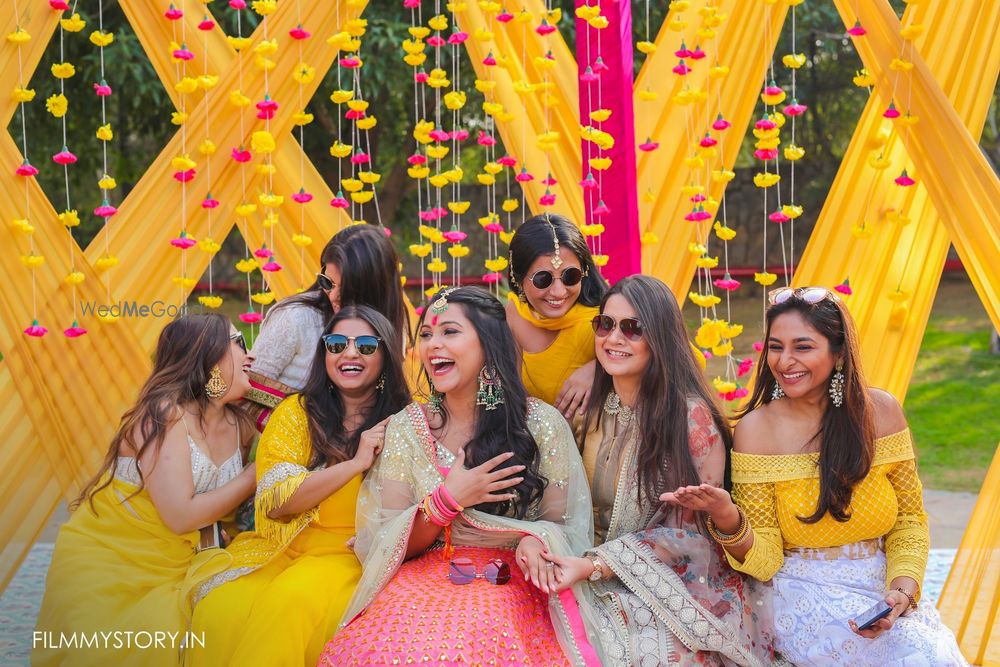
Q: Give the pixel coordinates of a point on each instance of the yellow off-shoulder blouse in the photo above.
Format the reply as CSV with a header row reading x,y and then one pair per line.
x,y
774,490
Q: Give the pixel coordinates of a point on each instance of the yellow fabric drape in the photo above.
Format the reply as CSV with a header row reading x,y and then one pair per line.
x,y
531,116
971,595
907,257
740,45
155,224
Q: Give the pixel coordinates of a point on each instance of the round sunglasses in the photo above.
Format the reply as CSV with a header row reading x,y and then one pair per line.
x,y
324,283
569,277
462,571
365,345
630,327
811,295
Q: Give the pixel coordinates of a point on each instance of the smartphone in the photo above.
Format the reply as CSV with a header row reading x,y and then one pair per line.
x,y
211,537
872,615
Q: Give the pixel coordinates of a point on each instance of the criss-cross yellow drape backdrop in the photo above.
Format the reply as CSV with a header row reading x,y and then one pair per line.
x,y
61,398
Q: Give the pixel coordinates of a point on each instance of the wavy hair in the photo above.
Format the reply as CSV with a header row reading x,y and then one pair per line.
x,y
186,351
846,434
504,429
670,380
331,442
369,276
534,239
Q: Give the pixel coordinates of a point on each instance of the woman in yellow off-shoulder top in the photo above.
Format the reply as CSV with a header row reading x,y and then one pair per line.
x,y
828,503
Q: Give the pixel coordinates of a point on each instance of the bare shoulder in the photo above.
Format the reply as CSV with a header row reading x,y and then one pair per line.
x,y
754,433
889,416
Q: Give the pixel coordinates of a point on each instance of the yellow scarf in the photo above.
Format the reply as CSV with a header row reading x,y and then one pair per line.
x,y
578,313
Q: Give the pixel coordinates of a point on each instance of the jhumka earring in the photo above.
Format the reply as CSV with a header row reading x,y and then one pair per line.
x,y
216,387
435,400
837,386
490,392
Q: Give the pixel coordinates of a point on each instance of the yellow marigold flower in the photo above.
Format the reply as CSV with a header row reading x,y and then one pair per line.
x,y
263,298
183,163
22,94
303,73
57,105
178,117
262,142
63,70
366,123
107,183
302,118
106,262
238,43
211,302
340,150
98,38
23,226
437,265
32,261
246,210
104,132
209,245
74,278
19,36
264,7
69,218
341,96
246,265
207,147
208,81
302,240
73,23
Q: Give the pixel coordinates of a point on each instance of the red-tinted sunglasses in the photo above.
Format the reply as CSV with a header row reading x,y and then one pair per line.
x,y
630,327
462,571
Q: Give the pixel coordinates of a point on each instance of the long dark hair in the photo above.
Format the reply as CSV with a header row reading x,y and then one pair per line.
x,y
331,443
534,238
846,434
186,351
504,429
671,379
369,276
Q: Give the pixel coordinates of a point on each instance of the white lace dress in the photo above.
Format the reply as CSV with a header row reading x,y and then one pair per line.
x,y
286,346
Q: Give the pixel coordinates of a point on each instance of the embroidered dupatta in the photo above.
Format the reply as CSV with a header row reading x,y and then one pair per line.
x,y
673,593
406,472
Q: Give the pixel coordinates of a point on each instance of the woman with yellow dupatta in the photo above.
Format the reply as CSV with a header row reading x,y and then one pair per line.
x,y
116,586
555,289
291,579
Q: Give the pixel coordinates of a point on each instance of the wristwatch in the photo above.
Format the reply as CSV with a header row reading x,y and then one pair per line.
x,y
598,572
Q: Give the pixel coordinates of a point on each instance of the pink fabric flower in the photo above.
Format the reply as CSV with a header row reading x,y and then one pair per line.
x,y
773,90
682,52
440,211
183,54
489,60
263,252
302,197
251,317
184,176
105,210
493,228
599,65
271,267
59,5
856,30
778,216
681,69
744,367
766,154
491,277
758,346
697,199
299,33
64,157
339,201
411,4
904,180
844,287
266,108
455,236
36,329
485,139
588,75
600,209
427,216
238,4
183,241
173,13
386,231
241,154
438,135
545,28
206,24
354,114
505,17
458,135
523,177
765,123
589,182
26,169
648,145
360,158
892,111
794,109
417,158
728,283
74,331
421,76
696,53
720,123
350,62
698,214
707,141
549,181
209,202
507,161
102,89
436,41
458,37
548,199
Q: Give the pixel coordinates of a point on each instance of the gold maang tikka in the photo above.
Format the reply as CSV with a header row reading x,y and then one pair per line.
x,y
556,259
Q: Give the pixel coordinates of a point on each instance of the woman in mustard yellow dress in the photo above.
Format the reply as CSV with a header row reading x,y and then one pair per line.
x,y
828,503
289,582
115,592
555,290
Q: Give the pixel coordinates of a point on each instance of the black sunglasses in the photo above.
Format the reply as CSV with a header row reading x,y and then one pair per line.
x,y
239,340
337,343
324,282
630,327
569,277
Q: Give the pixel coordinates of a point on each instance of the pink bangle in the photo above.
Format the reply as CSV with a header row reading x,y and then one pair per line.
x,y
446,495
430,514
442,507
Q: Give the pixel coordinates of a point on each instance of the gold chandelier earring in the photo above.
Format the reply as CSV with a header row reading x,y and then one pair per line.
x,y
216,387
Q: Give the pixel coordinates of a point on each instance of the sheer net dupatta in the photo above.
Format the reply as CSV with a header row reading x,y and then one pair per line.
x,y
405,473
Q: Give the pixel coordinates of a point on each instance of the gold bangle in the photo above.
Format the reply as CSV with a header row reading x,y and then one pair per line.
x,y
911,598
730,540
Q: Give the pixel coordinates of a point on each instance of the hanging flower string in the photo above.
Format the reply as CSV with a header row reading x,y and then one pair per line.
x,y
262,143
207,148
27,171
303,75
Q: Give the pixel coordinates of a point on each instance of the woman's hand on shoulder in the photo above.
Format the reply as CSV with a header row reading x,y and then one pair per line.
x,y
888,413
370,445
575,392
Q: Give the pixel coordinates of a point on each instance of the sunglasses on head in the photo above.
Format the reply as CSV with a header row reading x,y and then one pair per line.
x,y
324,282
569,277
239,340
811,295
337,343
462,571
630,327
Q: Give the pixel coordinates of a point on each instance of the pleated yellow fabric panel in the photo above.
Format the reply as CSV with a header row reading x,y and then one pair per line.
x,y
741,45
531,116
898,241
960,183
970,600
56,428
150,214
